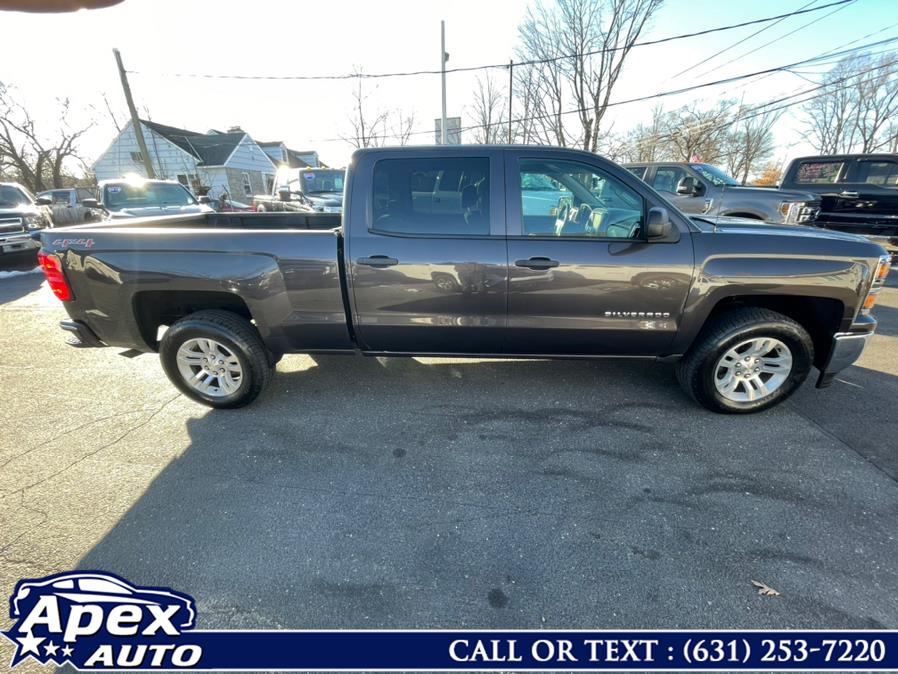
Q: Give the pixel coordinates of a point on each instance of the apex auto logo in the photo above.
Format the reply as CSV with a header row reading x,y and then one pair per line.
x,y
96,620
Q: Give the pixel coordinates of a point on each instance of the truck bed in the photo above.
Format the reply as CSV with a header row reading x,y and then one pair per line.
x,y
283,269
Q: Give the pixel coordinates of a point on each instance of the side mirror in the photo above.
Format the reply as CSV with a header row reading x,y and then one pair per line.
x,y
284,194
90,203
657,224
43,201
204,199
689,187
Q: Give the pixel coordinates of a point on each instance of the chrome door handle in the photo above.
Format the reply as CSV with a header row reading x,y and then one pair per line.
x,y
536,263
378,261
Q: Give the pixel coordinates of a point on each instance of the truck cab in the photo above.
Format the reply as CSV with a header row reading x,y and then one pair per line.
x,y
705,189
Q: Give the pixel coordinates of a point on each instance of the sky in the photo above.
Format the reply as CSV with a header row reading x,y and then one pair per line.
x,y
70,55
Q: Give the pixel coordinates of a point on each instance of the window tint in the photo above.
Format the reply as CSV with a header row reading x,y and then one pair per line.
x,y
638,171
879,172
817,172
667,177
432,196
572,199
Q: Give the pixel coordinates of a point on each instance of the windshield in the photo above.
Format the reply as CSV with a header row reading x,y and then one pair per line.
x,y
715,175
127,195
12,196
310,182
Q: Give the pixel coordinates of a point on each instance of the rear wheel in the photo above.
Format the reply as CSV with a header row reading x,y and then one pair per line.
x,y
216,358
747,360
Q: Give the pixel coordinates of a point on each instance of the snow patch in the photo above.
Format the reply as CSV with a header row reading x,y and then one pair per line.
x,y
10,274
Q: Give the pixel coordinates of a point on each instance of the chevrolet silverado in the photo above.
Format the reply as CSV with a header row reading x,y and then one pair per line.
x,y
501,251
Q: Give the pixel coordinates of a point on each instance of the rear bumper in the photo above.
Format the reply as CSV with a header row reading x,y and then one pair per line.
x,y
847,348
82,335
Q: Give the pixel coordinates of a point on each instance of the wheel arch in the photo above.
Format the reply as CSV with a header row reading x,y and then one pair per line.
x,y
822,317
156,308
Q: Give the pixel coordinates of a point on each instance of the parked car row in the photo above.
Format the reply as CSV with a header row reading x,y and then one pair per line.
x,y
852,193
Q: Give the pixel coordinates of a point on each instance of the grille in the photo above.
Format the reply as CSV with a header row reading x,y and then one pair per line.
x,y
11,225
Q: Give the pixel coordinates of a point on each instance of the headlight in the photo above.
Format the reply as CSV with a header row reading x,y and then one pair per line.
x,y
798,212
35,220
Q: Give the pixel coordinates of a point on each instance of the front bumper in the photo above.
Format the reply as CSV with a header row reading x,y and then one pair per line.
x,y
847,348
17,243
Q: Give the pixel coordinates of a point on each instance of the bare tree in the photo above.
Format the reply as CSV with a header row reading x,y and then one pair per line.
x,y
856,107
543,77
646,142
402,126
489,111
693,133
576,50
37,160
749,142
369,128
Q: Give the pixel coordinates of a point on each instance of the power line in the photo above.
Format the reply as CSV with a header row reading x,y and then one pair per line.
x,y
745,39
781,37
767,71
360,75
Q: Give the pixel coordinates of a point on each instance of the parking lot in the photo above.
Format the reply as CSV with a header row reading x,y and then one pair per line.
x,y
442,492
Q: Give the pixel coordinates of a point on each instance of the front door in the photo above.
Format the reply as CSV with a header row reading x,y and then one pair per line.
x,y
666,179
429,273
583,278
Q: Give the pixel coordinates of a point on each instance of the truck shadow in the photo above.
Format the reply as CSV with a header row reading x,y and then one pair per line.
x,y
368,493
18,284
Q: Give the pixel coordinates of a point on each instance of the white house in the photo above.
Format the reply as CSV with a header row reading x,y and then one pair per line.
x,y
282,155
213,162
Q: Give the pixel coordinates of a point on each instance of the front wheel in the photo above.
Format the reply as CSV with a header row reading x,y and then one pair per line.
x,y
216,358
747,360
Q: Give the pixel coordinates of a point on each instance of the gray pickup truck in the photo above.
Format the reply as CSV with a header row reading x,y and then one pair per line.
x,y
704,189
475,251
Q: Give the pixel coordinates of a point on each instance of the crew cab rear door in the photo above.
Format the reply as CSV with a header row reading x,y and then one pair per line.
x,y
426,251
869,193
583,278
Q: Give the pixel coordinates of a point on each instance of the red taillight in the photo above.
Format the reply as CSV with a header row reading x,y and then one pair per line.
x,y
53,271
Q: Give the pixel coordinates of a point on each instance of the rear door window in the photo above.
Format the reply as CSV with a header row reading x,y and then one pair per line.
x,y
818,172
638,171
449,196
879,172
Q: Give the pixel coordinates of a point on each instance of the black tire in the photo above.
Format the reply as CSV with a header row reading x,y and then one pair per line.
x,y
697,370
234,332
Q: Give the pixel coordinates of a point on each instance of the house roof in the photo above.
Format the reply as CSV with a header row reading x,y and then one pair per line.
x,y
211,149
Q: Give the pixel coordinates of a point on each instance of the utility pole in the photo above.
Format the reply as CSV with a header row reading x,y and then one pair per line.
x,y
135,122
443,58
510,88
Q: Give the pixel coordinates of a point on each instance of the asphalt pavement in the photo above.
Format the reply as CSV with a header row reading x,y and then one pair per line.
x,y
450,493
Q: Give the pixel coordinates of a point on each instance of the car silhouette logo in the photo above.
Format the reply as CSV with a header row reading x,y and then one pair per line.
x,y
92,587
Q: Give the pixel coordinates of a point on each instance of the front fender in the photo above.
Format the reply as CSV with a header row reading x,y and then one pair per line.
x,y
726,277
